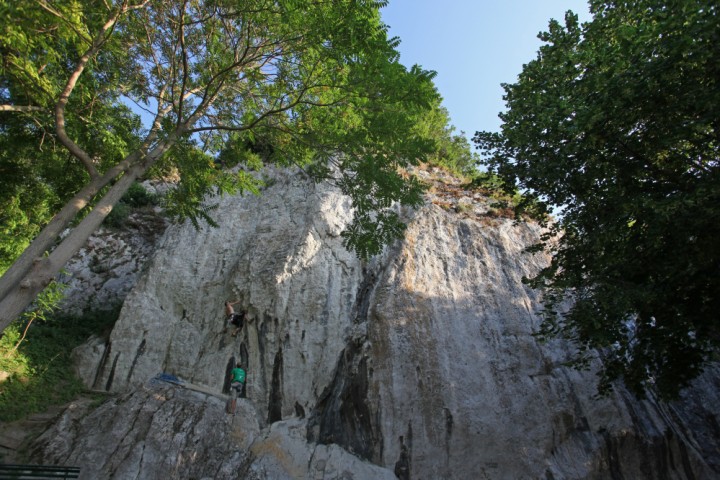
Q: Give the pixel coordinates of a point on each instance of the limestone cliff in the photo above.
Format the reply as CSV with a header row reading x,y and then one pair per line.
x,y
419,364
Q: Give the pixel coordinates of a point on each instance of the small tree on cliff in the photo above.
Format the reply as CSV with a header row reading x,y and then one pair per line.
x,y
617,121
315,83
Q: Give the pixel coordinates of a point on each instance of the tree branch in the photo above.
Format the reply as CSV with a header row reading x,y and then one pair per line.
x,y
74,148
183,54
21,108
95,47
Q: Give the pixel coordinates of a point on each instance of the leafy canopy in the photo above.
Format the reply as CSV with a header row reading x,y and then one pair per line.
x,y
316,85
37,174
313,82
617,123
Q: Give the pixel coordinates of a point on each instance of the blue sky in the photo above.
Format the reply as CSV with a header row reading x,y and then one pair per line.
x,y
474,46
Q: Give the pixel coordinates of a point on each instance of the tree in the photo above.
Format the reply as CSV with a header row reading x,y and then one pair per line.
x,y
37,174
318,82
452,150
616,123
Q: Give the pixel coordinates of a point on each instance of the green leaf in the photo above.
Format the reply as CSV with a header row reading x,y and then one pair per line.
x,y
615,123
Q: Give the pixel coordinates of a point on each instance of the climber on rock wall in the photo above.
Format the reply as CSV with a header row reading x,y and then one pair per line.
x,y
233,318
237,381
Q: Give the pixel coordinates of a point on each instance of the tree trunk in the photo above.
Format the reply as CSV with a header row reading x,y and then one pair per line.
x,y
40,244
43,270
19,287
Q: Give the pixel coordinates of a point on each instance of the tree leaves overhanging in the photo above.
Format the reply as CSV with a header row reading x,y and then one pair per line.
x,y
617,124
313,84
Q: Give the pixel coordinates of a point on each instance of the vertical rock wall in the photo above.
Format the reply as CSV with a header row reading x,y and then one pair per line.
x,y
462,389
281,256
421,361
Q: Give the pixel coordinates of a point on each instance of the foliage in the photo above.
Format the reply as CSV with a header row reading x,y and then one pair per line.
x,y
47,302
41,372
450,150
508,200
320,84
37,175
616,123
313,84
20,219
120,213
136,197
201,177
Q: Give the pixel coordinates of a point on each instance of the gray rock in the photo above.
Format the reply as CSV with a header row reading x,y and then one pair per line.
x,y
103,272
163,431
419,364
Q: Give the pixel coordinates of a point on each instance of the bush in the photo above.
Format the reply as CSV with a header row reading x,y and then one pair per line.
x,y
117,216
136,197
40,370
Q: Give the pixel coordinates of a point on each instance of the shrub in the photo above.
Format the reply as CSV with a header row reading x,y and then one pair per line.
x,y
40,370
137,196
117,216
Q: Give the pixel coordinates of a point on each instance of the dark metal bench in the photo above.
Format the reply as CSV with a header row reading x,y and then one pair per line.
x,y
35,472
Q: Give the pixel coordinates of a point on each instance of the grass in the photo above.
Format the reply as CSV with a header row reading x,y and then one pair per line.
x,y
39,372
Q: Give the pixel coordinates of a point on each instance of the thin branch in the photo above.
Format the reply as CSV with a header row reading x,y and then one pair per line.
x,y
74,148
152,51
27,327
139,6
254,123
43,4
21,108
183,52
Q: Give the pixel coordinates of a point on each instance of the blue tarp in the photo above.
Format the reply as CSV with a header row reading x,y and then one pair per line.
x,y
166,377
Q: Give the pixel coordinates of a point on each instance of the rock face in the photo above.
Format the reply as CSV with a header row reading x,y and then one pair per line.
x,y
162,432
104,271
420,364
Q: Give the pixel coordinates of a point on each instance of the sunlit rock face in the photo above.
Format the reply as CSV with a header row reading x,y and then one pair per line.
x,y
419,364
